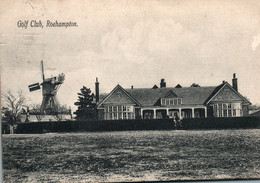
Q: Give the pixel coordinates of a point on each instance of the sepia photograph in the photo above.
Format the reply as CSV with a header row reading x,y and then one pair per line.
x,y
130,90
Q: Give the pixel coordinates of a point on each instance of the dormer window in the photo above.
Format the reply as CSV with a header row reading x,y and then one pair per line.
x,y
171,101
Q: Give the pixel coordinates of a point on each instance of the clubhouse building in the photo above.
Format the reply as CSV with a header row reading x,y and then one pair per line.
x,y
223,100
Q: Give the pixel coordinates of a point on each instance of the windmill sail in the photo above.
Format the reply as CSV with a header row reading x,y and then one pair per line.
x,y
50,86
34,87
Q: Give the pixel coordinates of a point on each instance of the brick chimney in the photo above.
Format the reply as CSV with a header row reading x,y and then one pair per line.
x,y
162,84
97,90
234,82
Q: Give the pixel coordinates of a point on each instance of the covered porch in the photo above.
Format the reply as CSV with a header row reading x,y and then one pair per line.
x,y
181,112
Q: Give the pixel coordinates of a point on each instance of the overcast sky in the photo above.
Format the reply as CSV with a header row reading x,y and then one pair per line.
x,y
131,43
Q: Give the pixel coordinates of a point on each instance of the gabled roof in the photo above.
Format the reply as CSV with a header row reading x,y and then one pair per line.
x,y
217,89
170,94
189,95
122,89
220,87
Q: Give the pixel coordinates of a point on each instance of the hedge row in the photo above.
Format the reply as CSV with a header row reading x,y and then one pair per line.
x,y
125,125
221,123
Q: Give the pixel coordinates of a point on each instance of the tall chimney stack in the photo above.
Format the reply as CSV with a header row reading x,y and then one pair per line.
x,y
162,84
234,82
97,90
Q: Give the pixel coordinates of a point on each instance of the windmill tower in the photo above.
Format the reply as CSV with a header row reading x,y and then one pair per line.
x,y
50,87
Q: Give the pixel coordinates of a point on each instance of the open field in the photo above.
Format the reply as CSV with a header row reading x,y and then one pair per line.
x,y
131,156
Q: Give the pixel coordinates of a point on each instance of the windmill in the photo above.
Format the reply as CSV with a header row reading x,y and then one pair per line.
x,y
50,87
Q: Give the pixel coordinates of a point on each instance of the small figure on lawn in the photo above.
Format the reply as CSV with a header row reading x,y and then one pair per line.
x,y
174,119
178,122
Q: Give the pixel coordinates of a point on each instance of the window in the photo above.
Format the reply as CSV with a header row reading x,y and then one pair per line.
x,y
129,116
220,113
119,112
227,110
215,107
229,113
224,113
179,101
119,115
215,110
234,112
219,106
171,101
163,101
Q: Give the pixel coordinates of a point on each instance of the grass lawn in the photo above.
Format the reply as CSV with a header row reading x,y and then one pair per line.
x,y
131,156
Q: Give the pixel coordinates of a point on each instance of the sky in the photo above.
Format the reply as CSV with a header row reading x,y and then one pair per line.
x,y
131,43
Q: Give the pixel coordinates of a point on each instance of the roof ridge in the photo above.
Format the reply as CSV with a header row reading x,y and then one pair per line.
x,y
170,88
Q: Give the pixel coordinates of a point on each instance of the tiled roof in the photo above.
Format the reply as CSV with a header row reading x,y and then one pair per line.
x,y
189,95
215,91
148,97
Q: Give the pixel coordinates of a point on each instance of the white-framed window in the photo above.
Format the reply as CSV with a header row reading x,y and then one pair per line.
x,y
119,115
179,101
119,112
115,116
128,108
227,109
163,101
234,112
225,112
171,101
129,115
124,115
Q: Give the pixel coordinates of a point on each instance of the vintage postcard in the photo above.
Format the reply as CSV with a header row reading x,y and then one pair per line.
x,y
130,91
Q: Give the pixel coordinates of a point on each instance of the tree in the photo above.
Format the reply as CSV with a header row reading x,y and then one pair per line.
x,y
195,85
60,111
12,107
86,106
14,104
36,110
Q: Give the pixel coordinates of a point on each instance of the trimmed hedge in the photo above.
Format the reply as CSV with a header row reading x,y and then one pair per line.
x,y
221,123
127,125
